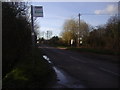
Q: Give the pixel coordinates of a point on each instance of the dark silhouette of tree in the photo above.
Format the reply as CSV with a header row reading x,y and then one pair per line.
x,y
106,36
54,40
16,34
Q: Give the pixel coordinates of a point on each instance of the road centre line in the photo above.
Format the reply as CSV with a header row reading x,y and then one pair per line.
x,y
62,53
78,59
103,69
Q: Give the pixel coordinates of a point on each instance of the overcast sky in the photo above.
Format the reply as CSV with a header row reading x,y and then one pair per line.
x,y
55,13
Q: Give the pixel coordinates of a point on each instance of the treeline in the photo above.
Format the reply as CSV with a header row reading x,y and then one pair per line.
x,y
16,34
72,31
105,36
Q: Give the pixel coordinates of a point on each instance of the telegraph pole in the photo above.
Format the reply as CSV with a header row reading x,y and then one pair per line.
x,y
32,28
79,31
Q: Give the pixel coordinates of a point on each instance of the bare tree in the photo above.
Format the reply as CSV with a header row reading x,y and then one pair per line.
x,y
71,30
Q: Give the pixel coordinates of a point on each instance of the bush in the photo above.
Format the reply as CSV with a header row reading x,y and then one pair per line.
x,y
16,36
31,72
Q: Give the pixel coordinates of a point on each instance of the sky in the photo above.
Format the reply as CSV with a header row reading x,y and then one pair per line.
x,y
56,13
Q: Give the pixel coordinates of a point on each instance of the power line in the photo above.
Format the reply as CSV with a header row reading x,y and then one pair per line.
x,y
84,14
96,14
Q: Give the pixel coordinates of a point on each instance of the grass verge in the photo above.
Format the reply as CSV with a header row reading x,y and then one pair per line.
x,y
32,71
93,50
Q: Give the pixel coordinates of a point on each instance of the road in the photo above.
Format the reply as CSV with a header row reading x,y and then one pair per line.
x,y
95,71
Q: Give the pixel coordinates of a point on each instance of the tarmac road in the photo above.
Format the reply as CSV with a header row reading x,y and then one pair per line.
x,y
95,71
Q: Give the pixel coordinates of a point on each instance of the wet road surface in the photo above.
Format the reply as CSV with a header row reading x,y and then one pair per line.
x,y
64,80
93,72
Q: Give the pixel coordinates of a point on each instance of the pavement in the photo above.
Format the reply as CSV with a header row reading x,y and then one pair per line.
x,y
94,71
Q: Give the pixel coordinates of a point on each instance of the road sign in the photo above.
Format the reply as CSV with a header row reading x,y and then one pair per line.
x,y
37,11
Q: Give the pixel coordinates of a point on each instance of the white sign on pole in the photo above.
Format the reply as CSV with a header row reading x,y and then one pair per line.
x,y
71,41
80,42
37,11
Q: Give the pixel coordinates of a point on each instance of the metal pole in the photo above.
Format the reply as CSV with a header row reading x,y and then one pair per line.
x,y
118,26
32,28
1,45
79,31
32,32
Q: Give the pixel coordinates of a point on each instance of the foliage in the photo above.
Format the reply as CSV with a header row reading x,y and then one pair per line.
x,y
71,30
31,72
54,40
16,34
93,50
106,36
113,33
23,66
102,37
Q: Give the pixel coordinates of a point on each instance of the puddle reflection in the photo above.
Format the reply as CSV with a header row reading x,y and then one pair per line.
x,y
64,80
46,58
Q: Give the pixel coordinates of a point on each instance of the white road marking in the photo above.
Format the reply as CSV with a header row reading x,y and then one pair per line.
x,y
78,59
101,68
106,70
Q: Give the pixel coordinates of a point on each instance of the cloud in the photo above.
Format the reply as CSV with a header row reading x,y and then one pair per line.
x,y
110,9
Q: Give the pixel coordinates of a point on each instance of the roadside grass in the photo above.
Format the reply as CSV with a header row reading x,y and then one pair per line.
x,y
93,50
65,47
31,72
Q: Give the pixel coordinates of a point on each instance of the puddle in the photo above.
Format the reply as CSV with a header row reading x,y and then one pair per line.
x,y
64,80
60,76
46,58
